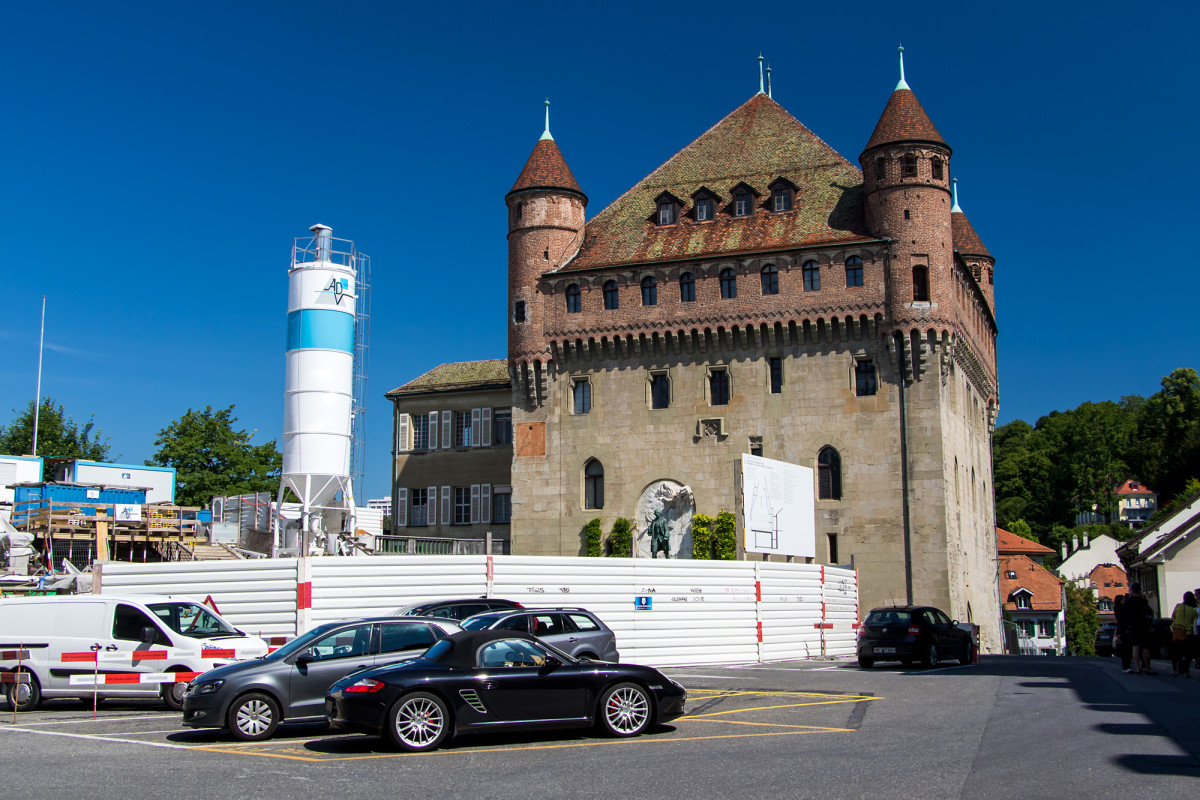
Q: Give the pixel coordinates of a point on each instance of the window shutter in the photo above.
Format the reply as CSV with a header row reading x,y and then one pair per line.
x,y
431,506
401,518
403,434
475,425
446,432
485,501
475,504
433,425
447,519
485,428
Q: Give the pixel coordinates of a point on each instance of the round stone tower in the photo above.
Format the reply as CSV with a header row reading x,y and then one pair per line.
x,y
906,175
545,229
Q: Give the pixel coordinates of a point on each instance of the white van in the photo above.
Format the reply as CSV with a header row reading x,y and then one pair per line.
x,y
109,625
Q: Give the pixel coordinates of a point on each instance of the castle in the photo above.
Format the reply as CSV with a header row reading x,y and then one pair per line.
x,y
759,293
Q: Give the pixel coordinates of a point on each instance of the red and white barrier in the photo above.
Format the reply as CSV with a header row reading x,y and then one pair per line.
x,y
14,677
125,678
14,655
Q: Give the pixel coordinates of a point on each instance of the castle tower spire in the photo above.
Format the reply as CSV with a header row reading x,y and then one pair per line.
x,y
902,84
546,133
760,74
954,209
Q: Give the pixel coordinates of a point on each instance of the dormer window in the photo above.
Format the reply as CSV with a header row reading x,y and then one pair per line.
x,y
668,208
743,200
704,206
783,192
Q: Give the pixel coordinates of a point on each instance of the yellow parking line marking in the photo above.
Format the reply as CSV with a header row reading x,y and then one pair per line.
x,y
768,708
472,751
770,724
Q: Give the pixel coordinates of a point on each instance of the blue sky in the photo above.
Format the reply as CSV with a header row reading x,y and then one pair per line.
x,y
159,158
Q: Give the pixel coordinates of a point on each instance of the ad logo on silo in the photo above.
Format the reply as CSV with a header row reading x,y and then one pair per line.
x,y
336,290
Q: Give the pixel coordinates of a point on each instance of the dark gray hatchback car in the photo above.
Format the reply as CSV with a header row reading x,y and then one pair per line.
x,y
251,698
576,631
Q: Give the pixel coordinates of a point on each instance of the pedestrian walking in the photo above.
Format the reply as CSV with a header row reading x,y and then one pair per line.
x,y
1123,646
1183,627
1141,629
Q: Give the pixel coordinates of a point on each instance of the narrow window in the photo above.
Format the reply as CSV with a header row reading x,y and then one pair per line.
x,y
501,507
910,166
864,378
854,271
519,311
502,426
920,284
907,214
743,204
776,368
718,387
829,474
581,396
418,507
770,279
687,288
666,213
936,168
519,211
833,553
420,432
756,448
812,276
462,428
610,295
593,485
781,199
880,169
574,303
704,209
728,284
462,505
649,291
660,390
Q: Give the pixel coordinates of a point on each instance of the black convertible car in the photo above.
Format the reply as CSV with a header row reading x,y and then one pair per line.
x,y
492,680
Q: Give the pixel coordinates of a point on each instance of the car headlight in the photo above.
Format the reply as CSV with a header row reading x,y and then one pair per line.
x,y
206,688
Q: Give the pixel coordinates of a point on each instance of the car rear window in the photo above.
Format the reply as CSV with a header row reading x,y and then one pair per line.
x,y
889,616
583,622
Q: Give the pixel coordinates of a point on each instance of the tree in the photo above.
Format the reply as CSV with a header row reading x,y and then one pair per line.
x,y
1082,621
59,436
725,537
1168,450
593,534
702,536
211,459
621,540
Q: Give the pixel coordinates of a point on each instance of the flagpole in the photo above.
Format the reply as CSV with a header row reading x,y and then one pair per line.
x,y
37,400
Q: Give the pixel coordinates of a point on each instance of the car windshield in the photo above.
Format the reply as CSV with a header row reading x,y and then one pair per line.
x,y
479,622
193,620
304,640
406,611
889,616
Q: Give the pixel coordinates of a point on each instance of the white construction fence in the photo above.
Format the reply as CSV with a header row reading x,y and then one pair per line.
x,y
663,612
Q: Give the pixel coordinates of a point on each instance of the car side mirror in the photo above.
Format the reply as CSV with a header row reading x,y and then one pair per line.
x,y
552,662
149,635
304,659
954,623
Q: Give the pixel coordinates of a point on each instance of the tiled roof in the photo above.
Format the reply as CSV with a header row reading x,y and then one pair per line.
x,y
1131,487
1011,544
966,241
458,376
904,120
1115,578
757,143
546,169
1045,588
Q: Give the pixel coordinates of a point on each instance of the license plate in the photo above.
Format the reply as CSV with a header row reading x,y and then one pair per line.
x,y
885,650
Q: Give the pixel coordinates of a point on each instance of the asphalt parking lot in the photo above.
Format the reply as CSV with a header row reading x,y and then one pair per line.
x,y
1008,726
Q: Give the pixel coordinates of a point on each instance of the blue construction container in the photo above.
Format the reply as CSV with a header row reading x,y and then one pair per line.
x,y
40,495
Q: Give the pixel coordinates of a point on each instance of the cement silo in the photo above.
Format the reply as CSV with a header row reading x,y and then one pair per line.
x,y
319,385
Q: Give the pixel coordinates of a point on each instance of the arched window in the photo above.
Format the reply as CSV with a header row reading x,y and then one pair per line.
x,y
770,279
593,485
880,169
649,291
728,284
610,295
687,288
812,276
574,304
829,474
920,284
854,273
910,166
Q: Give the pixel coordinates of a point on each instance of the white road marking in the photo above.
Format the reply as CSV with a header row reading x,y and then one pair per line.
x,y
718,677
98,719
100,738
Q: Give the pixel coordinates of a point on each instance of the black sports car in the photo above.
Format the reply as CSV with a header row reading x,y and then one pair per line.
x,y
491,680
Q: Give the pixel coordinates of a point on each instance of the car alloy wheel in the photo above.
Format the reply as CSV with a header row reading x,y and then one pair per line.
x,y
253,717
931,655
172,693
625,710
419,721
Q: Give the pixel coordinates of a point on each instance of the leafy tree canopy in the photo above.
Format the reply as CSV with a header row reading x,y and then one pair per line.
x,y
59,436
211,459
1082,621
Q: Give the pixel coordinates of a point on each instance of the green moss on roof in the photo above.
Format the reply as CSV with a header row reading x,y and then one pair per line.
x,y
457,376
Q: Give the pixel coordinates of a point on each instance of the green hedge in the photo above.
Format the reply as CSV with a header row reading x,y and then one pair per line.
x,y
592,534
725,537
702,536
620,543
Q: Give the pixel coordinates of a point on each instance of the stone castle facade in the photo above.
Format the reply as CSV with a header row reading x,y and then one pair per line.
x,y
758,293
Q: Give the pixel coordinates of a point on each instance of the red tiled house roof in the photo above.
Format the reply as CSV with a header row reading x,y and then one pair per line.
x,y
1010,544
1132,487
1109,581
1045,589
757,143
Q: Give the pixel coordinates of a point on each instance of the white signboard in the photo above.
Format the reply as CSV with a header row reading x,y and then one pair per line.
x,y
127,512
777,507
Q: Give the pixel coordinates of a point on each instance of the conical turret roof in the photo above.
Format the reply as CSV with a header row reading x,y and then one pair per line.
x,y
904,120
966,241
546,169
754,145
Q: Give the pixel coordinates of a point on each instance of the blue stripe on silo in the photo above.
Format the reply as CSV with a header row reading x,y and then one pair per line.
x,y
319,328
